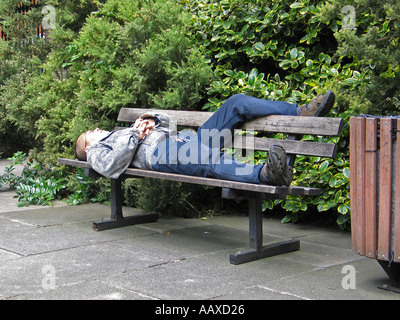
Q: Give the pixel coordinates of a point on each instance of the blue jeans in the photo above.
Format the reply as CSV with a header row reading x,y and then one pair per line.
x,y
200,155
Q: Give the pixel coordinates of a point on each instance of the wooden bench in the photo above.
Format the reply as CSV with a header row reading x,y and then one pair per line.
x,y
294,127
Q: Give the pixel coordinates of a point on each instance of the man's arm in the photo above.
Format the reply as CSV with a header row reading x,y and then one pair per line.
x,y
111,156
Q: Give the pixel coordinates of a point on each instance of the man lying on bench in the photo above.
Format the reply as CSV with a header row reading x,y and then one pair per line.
x,y
153,143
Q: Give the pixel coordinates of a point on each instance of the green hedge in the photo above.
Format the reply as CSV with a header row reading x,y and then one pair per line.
x,y
109,54
294,50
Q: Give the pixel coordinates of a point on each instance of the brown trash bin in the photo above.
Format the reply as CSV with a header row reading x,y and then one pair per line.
x,y
375,191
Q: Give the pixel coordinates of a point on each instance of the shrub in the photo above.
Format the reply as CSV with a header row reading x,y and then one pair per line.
x,y
172,197
133,53
83,189
280,51
128,53
372,44
293,50
139,57
22,58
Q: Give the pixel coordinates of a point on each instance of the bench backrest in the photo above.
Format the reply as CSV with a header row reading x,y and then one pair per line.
x,y
294,126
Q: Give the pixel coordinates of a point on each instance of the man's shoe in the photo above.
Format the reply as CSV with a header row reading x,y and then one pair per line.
x,y
319,106
276,170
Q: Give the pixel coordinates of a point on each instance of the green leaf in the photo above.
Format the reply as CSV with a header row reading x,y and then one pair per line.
x,y
285,64
297,94
283,15
253,20
230,73
267,204
323,166
252,79
294,53
343,208
338,195
342,219
333,182
298,77
296,5
259,46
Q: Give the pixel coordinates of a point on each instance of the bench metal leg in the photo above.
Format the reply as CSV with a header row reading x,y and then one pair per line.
x,y
257,250
117,219
124,222
116,199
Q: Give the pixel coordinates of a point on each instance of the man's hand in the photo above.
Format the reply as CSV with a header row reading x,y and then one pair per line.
x,y
144,126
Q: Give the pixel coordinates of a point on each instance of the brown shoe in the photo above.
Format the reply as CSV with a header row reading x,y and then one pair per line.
x,y
319,106
276,171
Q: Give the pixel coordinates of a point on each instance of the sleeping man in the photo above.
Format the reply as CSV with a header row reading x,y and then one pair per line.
x,y
153,143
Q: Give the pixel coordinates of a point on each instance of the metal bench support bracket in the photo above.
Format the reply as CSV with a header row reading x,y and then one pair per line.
x,y
257,250
117,219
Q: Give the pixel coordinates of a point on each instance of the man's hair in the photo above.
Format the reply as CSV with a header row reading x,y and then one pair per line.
x,y
80,146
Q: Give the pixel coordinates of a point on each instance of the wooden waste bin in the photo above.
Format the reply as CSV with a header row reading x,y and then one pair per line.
x,y
375,191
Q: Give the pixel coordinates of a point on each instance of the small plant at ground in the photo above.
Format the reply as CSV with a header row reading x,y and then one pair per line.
x,y
36,184
9,178
39,191
86,189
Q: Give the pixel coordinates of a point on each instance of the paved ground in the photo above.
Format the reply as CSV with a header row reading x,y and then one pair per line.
x,y
53,253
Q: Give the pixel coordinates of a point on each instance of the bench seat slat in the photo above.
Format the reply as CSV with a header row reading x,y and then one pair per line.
x,y
295,190
304,148
184,118
281,124
297,125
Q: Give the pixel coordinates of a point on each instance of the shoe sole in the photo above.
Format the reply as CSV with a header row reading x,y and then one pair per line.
x,y
276,160
326,105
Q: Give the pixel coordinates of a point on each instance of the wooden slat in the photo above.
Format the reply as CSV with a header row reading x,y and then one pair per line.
x,y
397,200
186,118
283,124
370,186
298,125
385,189
74,163
353,181
357,182
206,181
292,147
305,148
360,149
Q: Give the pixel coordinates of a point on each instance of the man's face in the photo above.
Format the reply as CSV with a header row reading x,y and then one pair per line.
x,y
91,137
94,136
86,140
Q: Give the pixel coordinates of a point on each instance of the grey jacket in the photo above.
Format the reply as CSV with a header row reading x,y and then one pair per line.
x,y
112,155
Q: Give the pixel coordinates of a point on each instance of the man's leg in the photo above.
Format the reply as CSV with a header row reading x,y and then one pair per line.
x,y
216,133
196,159
199,158
241,108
